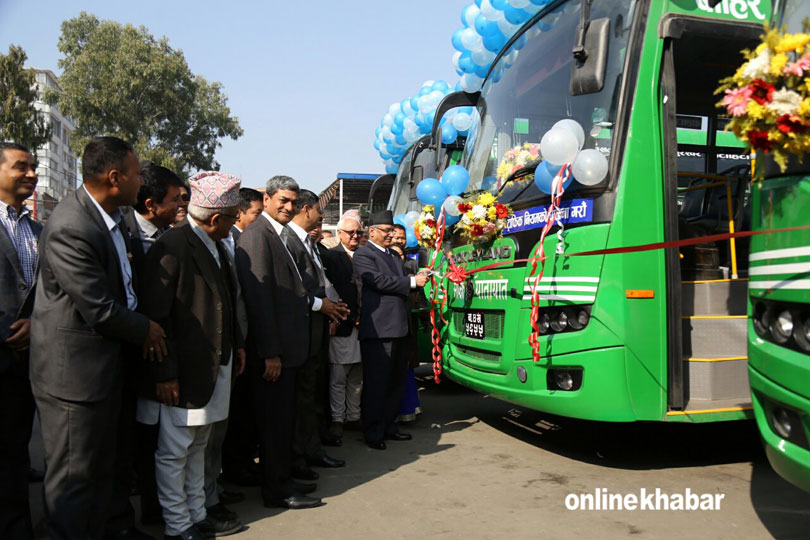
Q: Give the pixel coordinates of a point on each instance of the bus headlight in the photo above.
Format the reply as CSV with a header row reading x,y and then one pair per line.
x,y
801,333
759,320
782,327
545,322
578,319
559,322
781,422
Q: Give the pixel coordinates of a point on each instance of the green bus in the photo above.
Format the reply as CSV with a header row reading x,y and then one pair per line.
x,y
779,292
657,335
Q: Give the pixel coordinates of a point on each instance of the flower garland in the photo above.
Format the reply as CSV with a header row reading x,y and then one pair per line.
x,y
517,158
482,218
768,98
424,228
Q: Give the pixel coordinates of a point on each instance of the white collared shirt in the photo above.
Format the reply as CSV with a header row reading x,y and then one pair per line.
x,y
112,221
146,231
303,236
278,227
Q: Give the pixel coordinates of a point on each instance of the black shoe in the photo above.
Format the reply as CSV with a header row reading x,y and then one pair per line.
x,y
302,488
211,527
221,513
231,497
303,472
243,477
130,533
325,461
189,534
294,502
35,476
398,436
376,445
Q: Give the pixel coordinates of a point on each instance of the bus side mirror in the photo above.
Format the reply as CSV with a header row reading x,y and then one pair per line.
x,y
590,57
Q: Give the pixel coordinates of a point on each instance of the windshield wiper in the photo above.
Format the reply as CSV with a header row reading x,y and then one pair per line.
x,y
517,175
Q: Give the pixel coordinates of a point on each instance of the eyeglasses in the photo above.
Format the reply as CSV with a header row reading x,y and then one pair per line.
x,y
352,233
386,230
185,197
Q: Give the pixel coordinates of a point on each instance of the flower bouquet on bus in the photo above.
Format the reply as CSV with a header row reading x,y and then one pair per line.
x,y
768,98
523,157
482,218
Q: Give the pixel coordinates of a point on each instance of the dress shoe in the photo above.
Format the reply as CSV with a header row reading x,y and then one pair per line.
x,y
220,512
35,476
231,497
325,461
376,445
294,502
398,436
303,472
211,527
303,488
189,534
130,533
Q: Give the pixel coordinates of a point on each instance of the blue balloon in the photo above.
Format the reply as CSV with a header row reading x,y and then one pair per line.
x,y
399,219
515,15
415,103
399,118
500,5
377,131
465,63
464,16
477,2
396,129
391,168
430,191
451,220
431,116
496,76
441,86
398,159
520,42
456,41
410,238
424,90
449,134
400,139
482,71
455,179
376,144
494,42
544,176
484,26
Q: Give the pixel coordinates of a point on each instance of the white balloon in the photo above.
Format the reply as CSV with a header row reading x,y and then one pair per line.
x,y
507,29
411,136
490,12
409,124
462,121
559,146
470,14
407,110
456,58
429,82
574,127
410,218
451,205
590,167
470,38
470,82
388,119
482,57
394,109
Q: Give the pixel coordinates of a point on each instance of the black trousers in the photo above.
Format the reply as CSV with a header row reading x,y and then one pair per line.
x,y
241,440
79,440
385,376
16,419
275,409
121,515
309,408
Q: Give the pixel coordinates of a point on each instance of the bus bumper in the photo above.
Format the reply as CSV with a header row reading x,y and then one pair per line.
x,y
603,395
790,460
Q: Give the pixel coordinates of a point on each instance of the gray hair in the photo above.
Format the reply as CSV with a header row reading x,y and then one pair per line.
x,y
280,182
202,214
342,223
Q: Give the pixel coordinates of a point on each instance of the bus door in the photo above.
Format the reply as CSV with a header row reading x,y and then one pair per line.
x,y
707,187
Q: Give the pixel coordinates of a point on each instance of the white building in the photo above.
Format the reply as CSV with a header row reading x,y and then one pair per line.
x,y
57,168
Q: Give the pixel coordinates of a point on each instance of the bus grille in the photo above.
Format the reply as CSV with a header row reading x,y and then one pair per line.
x,y
478,353
493,323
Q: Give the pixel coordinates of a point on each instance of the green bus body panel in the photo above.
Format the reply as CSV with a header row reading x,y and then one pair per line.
x,y
780,375
791,461
756,11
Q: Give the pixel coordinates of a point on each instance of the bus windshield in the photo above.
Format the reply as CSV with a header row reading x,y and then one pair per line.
x,y
793,14
528,92
399,203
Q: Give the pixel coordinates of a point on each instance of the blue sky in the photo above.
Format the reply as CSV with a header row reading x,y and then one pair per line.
x,y
309,80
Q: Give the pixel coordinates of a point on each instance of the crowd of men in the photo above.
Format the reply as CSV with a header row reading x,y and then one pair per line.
x,y
167,331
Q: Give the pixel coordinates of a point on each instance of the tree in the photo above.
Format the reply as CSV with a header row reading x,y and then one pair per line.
x,y
119,80
20,122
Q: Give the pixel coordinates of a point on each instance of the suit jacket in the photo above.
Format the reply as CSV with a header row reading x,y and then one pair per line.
x,y
80,324
340,271
235,234
318,323
135,242
275,298
385,289
16,298
195,302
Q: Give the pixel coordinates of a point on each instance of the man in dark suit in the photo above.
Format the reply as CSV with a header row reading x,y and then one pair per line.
x,y
345,368
278,338
151,216
309,400
383,325
82,327
189,287
19,237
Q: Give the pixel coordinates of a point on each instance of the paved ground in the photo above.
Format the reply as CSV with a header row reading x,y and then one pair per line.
x,y
482,468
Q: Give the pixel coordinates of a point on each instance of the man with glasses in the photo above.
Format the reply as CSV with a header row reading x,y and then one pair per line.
x,y
189,286
345,368
383,325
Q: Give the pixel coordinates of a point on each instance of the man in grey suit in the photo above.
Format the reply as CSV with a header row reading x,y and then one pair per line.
x,y
383,325
83,323
278,338
19,237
